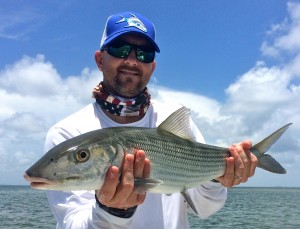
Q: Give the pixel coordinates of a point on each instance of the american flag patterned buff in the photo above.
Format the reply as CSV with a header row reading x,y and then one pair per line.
x,y
121,106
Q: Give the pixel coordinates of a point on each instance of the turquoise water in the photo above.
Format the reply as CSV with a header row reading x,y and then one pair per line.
x,y
256,208
23,207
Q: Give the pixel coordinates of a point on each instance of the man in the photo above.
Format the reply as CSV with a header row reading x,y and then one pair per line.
x,y
126,58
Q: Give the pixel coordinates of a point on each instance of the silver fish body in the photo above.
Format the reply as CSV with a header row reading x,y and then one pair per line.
x,y
178,162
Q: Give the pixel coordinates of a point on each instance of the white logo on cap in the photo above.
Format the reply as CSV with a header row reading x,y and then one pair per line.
x,y
133,22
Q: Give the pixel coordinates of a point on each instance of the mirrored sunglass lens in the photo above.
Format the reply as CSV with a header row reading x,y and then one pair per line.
x,y
145,57
124,51
119,52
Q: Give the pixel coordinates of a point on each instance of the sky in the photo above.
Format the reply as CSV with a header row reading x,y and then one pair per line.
x,y
235,65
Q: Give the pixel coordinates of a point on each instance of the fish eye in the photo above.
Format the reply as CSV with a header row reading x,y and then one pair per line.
x,y
82,155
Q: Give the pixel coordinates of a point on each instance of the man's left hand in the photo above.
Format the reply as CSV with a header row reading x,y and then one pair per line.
x,y
240,165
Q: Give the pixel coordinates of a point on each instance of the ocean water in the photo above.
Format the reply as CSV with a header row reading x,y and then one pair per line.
x,y
23,207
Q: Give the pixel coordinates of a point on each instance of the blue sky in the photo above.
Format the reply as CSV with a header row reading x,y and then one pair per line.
x,y
235,65
206,41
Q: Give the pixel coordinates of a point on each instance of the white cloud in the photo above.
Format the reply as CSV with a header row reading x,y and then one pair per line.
x,y
33,96
33,85
31,77
284,37
204,107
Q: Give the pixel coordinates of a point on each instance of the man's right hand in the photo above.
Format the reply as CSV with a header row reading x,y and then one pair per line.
x,y
117,193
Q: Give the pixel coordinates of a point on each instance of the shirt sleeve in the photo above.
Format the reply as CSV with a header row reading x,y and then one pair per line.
x,y
78,209
208,198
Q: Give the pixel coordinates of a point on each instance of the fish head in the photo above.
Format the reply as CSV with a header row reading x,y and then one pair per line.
x,y
80,167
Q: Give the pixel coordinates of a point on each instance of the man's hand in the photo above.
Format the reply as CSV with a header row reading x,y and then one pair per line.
x,y
240,166
117,193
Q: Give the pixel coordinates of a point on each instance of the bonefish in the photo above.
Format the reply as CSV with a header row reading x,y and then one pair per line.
x,y
178,162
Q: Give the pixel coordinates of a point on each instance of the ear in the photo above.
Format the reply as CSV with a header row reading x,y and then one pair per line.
x,y
153,65
99,59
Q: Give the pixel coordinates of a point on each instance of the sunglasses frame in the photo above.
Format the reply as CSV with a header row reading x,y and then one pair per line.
x,y
114,49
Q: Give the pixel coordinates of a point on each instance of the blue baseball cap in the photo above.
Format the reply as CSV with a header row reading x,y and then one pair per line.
x,y
128,22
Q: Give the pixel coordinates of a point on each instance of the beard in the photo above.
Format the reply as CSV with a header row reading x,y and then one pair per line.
x,y
124,85
128,87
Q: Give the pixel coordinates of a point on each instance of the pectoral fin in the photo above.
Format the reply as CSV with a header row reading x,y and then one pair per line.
x,y
188,199
142,185
119,155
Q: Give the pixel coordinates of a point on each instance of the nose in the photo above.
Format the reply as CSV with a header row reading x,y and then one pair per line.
x,y
131,58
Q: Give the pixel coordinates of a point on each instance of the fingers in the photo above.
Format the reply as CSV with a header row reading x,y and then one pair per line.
x,y
254,162
120,194
227,179
147,168
141,170
240,166
139,164
127,180
106,193
252,159
243,174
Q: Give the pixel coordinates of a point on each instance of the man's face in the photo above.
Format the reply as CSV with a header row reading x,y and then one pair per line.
x,y
126,77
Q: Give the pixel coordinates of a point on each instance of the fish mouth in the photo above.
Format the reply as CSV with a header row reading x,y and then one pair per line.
x,y
38,182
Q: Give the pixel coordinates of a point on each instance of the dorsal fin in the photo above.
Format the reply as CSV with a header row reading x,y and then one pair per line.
x,y
178,123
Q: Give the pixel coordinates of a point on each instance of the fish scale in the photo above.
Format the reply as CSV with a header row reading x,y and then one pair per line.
x,y
180,163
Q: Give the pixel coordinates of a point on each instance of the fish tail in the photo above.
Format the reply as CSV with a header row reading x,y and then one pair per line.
x,y
265,161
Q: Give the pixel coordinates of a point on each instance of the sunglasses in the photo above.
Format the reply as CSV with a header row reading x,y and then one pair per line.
x,y
144,54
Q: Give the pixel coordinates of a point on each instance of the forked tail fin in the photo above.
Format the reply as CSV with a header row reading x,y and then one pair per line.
x,y
266,161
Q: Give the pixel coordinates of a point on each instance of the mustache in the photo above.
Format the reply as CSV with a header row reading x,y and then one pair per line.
x,y
129,68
